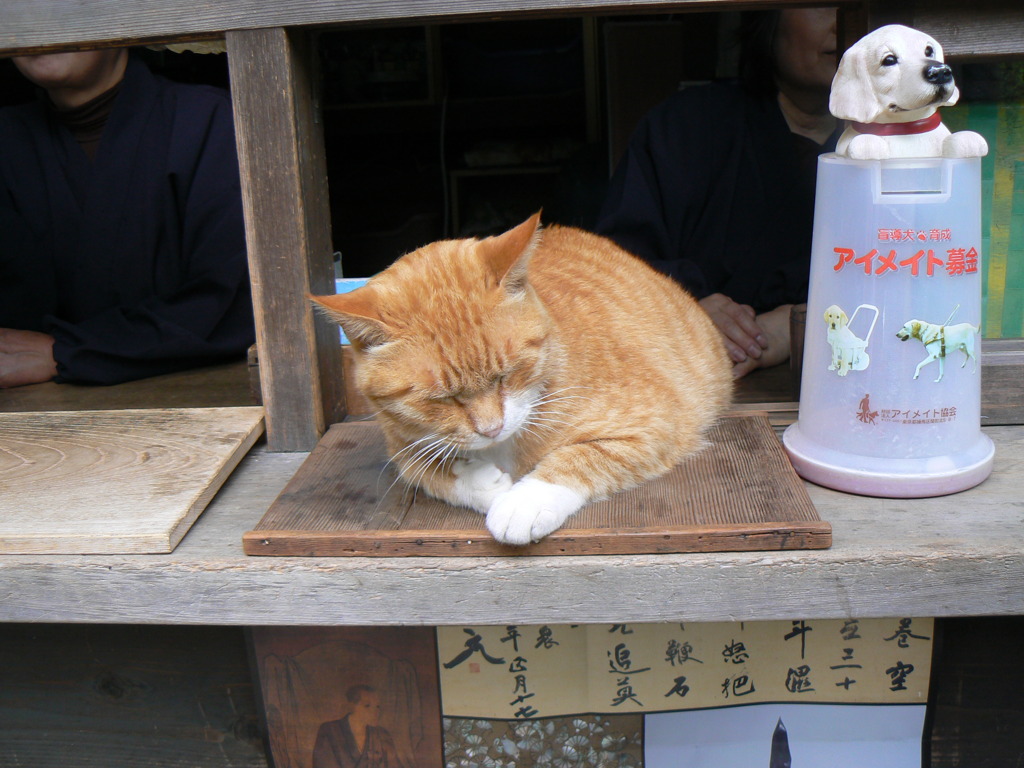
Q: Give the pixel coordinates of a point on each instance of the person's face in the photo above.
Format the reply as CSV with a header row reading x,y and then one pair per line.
x,y
805,47
367,709
77,70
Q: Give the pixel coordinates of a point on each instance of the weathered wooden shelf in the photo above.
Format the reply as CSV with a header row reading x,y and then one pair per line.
x,y
948,556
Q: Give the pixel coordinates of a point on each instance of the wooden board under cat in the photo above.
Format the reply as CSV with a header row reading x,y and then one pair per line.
x,y
739,494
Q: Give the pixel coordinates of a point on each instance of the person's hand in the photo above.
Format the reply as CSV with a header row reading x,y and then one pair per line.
x,y
744,337
775,325
26,357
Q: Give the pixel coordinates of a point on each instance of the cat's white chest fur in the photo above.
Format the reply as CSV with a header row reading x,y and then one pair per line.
x,y
517,512
500,454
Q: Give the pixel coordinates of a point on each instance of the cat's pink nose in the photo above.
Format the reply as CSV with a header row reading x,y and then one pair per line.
x,y
491,430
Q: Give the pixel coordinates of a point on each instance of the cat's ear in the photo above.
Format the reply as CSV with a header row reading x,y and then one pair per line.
x,y
356,312
508,255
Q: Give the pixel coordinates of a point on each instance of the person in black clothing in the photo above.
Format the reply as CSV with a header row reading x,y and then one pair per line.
x,y
716,187
122,244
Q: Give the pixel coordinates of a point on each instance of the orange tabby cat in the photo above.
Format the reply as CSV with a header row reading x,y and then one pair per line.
x,y
527,374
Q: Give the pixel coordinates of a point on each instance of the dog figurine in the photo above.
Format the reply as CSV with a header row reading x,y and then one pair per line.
x,y
889,86
939,341
849,353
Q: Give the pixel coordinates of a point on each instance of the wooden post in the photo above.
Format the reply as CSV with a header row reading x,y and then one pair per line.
x,y
851,25
287,222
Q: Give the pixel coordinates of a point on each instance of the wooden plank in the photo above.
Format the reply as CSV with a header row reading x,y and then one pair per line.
x,y
984,28
127,697
477,542
981,29
356,403
114,481
977,716
947,556
287,220
210,387
1002,381
35,25
739,494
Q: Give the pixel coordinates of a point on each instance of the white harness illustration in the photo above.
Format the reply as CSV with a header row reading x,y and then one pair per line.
x,y
849,352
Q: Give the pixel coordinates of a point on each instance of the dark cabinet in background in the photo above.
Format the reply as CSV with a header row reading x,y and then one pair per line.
x,y
465,129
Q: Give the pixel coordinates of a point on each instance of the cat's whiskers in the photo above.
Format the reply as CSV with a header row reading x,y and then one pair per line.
x,y
450,454
526,429
440,452
393,459
543,417
417,455
424,456
549,423
545,427
556,396
437,454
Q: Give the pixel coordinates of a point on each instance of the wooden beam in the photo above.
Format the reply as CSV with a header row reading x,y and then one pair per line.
x,y
35,25
287,221
852,25
1002,374
980,29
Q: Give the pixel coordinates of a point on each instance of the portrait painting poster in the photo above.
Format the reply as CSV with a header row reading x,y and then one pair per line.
x,y
312,681
787,736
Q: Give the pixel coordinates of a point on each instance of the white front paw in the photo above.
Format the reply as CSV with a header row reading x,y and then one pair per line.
x,y
531,510
867,146
478,483
965,144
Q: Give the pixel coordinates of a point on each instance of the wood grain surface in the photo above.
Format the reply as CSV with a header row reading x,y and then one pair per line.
x,y
946,556
214,386
986,28
287,233
108,482
34,25
127,696
738,494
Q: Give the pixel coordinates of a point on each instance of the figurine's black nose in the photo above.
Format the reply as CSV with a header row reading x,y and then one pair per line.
x,y
938,73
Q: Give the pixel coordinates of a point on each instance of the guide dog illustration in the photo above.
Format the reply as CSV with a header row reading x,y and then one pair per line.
x,y
849,352
939,340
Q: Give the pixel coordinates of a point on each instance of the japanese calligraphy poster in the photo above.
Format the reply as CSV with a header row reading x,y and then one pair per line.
x,y
525,672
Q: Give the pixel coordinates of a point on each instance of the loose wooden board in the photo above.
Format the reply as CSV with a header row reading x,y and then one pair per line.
x,y
114,482
738,494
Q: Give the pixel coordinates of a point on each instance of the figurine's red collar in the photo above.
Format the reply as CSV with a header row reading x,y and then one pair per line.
x,y
923,125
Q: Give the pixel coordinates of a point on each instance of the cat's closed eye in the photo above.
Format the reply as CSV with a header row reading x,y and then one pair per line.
x,y
464,396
